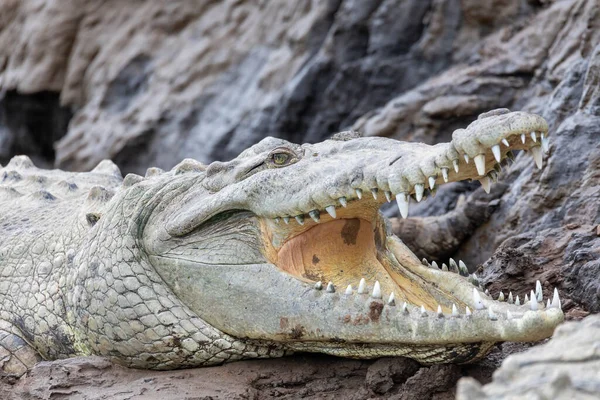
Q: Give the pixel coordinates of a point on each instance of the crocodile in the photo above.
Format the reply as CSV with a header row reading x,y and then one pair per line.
x,y
280,250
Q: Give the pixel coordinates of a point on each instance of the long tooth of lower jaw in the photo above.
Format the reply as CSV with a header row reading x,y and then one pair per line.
x,y
517,301
533,304
496,152
402,201
539,295
423,312
391,300
358,193
445,174
480,164
405,308
330,288
510,298
431,182
537,156
556,300
319,285
501,296
348,290
331,211
486,184
343,202
440,314
455,165
419,189
478,304
454,311
376,291
468,312
314,214
362,286
374,193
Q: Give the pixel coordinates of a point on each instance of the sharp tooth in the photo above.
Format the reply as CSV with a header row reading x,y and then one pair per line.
x,y
319,285
391,300
496,152
402,201
425,262
376,291
453,265
517,301
349,290
434,265
405,308
362,286
492,316
431,182
480,164
374,193
466,156
423,312
343,201
388,195
419,189
486,184
455,165
526,299
523,138
487,292
440,314
501,296
286,220
300,219
478,304
314,214
509,315
358,193
533,137
444,267
464,271
505,142
510,298
467,311
533,302
454,311
493,175
556,300
277,220
548,305
330,288
537,156
331,211
445,174
545,143
539,294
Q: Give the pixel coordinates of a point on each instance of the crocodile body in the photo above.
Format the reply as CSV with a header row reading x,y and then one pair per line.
x,y
279,250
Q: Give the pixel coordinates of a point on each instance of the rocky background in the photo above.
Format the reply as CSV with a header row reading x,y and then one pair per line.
x,y
147,83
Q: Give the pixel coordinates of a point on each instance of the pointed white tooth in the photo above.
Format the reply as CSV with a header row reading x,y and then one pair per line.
x,y
545,143
362,286
508,315
402,200
539,294
445,174
467,311
454,311
374,193
491,314
277,220
376,291
466,156
526,299
343,201
431,182
455,165
537,156
434,265
388,195
453,264
348,290
330,288
533,137
444,267
319,285
510,298
523,138
300,219
405,308
556,300
496,152
286,220
501,296
477,303
475,276
315,215
419,189
486,184
533,304
391,300
464,271
548,305
331,211
480,164
487,292
440,314
423,312
358,193
505,142
517,301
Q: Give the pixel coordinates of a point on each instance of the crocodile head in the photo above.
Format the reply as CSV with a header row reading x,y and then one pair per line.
x,y
286,244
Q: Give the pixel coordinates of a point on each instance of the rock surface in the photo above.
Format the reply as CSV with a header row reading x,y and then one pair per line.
x,y
150,83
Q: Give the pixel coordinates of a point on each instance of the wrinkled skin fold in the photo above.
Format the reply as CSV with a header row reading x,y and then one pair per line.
x,y
282,249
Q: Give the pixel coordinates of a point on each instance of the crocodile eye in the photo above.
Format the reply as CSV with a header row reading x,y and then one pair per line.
x,y
281,157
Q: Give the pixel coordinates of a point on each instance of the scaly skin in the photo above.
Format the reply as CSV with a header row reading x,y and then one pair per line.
x,y
208,264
